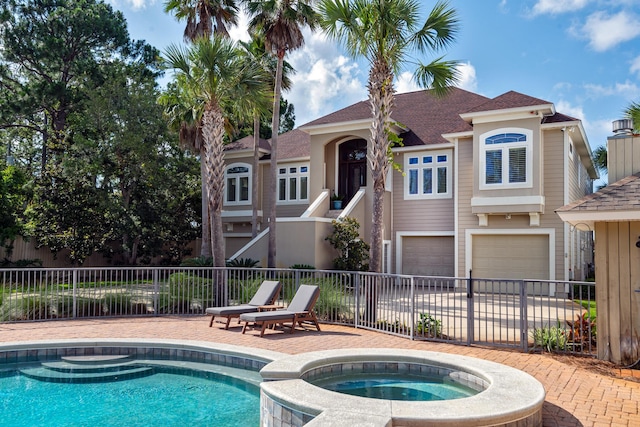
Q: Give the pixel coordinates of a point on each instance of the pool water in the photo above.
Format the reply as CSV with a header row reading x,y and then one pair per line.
x,y
396,387
161,399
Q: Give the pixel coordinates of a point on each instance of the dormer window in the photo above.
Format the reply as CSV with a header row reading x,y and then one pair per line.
x,y
506,159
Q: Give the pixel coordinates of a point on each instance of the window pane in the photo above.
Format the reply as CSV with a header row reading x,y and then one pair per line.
x,y
293,170
427,181
413,181
442,180
244,188
293,189
427,159
282,170
231,189
442,159
282,189
303,169
413,160
304,188
518,164
494,167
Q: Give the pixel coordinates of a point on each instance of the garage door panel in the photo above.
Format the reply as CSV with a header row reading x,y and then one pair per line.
x,y
428,256
510,256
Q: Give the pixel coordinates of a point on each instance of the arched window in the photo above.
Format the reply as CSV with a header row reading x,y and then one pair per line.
x,y
506,159
238,184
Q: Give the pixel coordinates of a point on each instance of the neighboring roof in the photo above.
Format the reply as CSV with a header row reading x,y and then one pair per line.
x,y
246,143
619,201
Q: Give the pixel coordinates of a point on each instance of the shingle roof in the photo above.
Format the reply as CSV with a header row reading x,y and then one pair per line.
x,y
507,100
426,116
620,196
246,143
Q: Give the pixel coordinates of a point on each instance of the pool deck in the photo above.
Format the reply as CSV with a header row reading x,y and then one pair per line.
x,y
575,396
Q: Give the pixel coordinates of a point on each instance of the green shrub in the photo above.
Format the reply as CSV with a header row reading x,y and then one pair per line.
x,y
550,338
200,261
25,308
429,326
119,303
190,287
242,263
331,305
353,253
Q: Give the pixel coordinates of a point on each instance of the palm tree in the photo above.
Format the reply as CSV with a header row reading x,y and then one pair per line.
x,y
633,112
281,22
201,14
256,51
213,74
386,32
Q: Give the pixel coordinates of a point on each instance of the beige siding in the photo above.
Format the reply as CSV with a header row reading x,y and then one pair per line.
x,y
466,219
554,184
420,215
623,157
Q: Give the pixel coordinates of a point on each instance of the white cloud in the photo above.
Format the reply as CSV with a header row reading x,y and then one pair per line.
x,y
468,79
325,80
605,31
134,4
558,6
566,108
406,83
626,89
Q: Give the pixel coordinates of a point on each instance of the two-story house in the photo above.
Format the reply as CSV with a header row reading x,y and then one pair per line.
x,y
478,184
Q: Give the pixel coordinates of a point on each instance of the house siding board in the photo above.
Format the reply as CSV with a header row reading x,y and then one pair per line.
x,y
554,184
466,220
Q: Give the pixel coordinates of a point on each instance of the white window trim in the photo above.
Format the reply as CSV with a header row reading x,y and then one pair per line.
x,y
505,159
434,166
289,175
248,174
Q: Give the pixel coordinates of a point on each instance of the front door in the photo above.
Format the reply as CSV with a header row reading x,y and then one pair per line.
x,y
352,170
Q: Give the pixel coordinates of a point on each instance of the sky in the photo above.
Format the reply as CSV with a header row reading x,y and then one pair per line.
x,y
581,55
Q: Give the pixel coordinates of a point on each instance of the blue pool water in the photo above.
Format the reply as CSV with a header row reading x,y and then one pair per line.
x,y
161,399
396,387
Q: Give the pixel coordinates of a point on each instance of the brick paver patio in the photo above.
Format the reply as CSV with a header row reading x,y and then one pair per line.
x,y
575,396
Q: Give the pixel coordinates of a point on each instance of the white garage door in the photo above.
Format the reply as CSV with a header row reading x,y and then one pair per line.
x,y
428,256
510,256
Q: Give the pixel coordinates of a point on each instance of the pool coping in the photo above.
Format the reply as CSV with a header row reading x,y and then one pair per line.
x,y
494,406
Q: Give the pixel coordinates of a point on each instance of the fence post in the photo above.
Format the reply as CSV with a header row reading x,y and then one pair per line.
x,y
156,292
75,288
470,310
412,306
524,325
356,315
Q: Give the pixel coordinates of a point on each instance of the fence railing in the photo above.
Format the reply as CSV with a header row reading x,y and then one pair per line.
x,y
525,314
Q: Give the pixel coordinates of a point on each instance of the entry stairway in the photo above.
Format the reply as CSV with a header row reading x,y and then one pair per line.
x,y
88,369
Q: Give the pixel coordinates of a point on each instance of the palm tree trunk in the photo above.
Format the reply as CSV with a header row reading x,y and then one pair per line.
x,y
273,185
205,246
381,100
213,132
254,175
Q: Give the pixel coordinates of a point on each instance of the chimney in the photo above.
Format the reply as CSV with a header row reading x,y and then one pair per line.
x,y
623,127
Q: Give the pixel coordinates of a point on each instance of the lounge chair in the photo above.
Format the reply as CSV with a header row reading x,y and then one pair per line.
x,y
266,294
299,311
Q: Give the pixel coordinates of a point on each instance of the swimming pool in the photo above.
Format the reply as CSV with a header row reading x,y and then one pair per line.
x,y
116,384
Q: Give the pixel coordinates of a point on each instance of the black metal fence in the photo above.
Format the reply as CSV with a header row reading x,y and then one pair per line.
x,y
525,314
